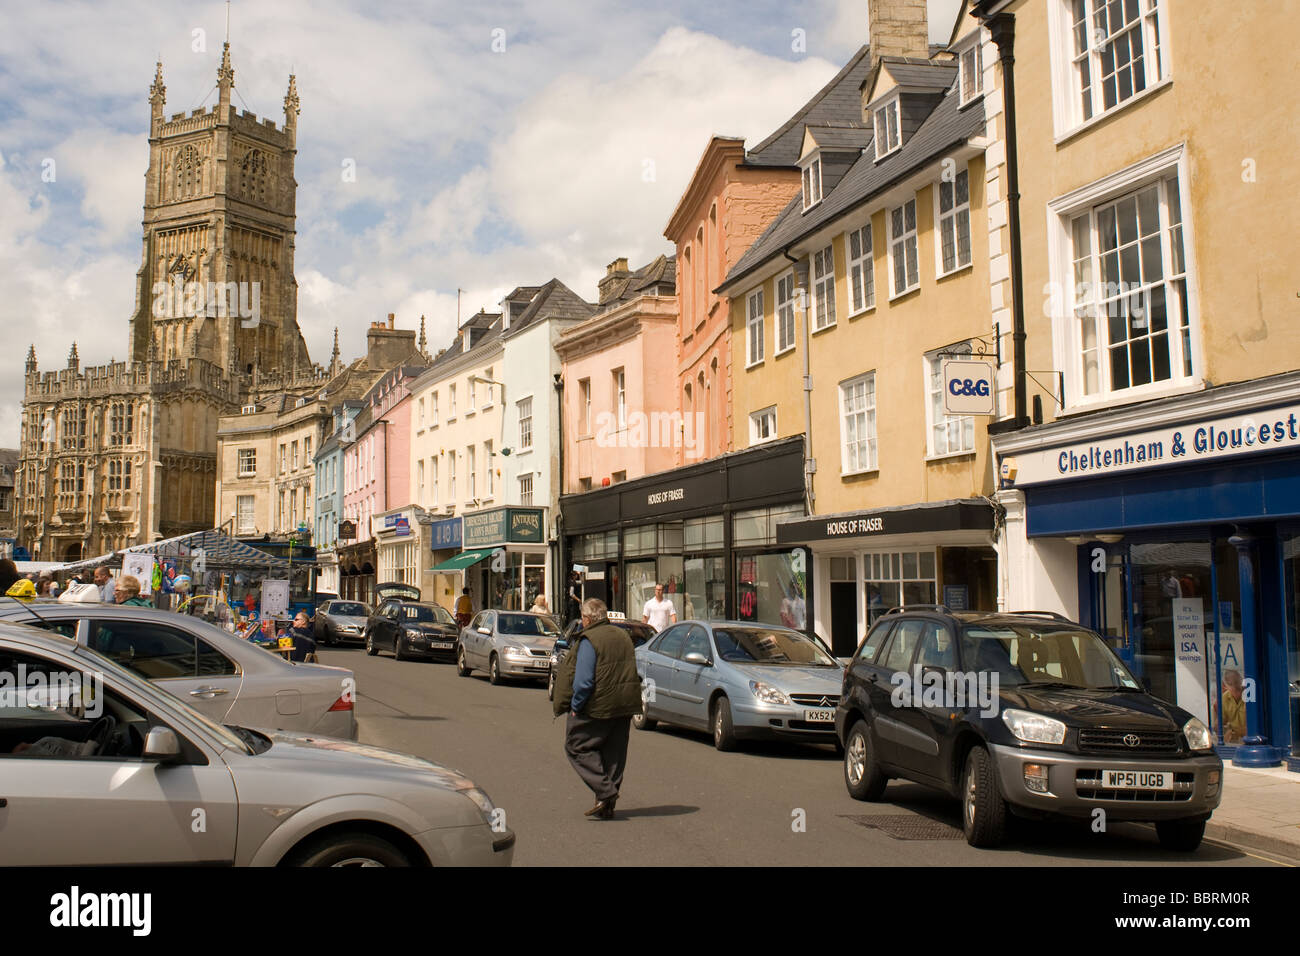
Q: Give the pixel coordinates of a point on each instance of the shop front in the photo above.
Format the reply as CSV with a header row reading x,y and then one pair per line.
x,y
357,563
867,562
443,587
402,545
1183,523
506,558
706,531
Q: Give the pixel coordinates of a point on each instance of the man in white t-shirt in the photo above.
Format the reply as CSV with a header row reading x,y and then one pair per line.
x,y
659,611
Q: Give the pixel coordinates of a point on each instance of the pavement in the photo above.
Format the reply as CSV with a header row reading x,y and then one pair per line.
x,y
770,804
1260,811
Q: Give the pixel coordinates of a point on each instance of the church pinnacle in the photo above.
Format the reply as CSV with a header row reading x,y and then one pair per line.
x,y
158,91
225,72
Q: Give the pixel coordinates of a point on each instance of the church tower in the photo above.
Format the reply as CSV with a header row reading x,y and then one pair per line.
x,y
216,278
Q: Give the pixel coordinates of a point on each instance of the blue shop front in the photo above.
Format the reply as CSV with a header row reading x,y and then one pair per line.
x,y
1185,517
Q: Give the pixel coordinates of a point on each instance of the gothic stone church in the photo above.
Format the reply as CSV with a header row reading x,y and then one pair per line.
x,y
125,453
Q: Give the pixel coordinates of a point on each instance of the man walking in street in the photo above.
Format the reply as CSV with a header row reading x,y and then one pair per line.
x,y
597,684
464,608
107,588
659,612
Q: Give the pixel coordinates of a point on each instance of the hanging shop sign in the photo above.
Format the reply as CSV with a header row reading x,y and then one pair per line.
x,y
347,530
968,387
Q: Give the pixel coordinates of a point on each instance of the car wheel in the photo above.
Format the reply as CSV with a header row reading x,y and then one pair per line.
x,y
1183,836
862,774
349,849
370,644
724,734
398,653
984,812
462,668
550,687
643,721
494,671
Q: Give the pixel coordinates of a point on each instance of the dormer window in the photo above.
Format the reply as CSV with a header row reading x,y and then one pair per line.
x,y
970,75
888,133
812,183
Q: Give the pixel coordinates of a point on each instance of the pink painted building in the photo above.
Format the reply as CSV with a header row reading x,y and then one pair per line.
x,y
621,419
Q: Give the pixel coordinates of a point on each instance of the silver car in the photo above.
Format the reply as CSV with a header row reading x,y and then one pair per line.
x,y
507,644
102,768
739,679
228,679
338,621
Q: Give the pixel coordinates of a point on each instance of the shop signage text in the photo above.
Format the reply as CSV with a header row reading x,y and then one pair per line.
x,y
967,387
659,497
1197,441
522,525
855,526
400,525
445,534
347,530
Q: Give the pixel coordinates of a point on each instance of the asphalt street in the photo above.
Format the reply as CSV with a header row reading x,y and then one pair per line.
x,y
684,803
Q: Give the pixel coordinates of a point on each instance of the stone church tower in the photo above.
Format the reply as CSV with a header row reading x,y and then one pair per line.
x,y
126,453
216,275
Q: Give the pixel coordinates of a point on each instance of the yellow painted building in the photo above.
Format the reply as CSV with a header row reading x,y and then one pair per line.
x,y
843,316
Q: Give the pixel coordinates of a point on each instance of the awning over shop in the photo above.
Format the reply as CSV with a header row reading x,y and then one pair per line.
x,y
464,560
221,552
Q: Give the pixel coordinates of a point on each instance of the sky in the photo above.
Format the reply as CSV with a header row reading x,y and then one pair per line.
x,y
487,146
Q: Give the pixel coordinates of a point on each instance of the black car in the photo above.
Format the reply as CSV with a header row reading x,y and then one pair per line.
x,y
412,629
639,632
1024,713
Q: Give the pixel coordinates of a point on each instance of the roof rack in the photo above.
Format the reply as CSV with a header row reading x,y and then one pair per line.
x,y
941,608
1052,614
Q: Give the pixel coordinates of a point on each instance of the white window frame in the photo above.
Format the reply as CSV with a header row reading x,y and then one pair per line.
x,y
246,507
470,408
451,402
954,214
1067,92
487,390
896,239
433,410
1067,343
785,307
755,330
525,434
935,416
471,471
421,404
526,489
972,53
812,180
419,482
490,486
823,286
762,420
620,398
451,469
862,270
584,402
433,479
868,380
248,470
894,103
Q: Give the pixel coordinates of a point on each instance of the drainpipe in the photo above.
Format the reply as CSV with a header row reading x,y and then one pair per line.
x,y
1003,29
809,462
561,575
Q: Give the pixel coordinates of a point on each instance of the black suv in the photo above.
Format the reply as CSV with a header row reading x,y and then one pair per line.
x,y
1022,712
412,629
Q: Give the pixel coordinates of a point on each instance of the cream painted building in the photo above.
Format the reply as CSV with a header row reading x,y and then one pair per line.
x,y
844,316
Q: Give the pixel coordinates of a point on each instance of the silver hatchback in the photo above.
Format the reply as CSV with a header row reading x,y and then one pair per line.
x,y
507,644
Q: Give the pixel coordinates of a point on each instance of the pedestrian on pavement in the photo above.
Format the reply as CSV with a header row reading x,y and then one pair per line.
x,y
540,606
659,611
104,581
573,603
464,608
128,591
304,644
598,686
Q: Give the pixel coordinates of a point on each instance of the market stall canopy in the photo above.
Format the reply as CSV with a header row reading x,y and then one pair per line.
x,y
464,560
220,551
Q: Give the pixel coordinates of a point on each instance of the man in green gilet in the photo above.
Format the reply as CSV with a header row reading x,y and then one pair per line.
x,y
597,684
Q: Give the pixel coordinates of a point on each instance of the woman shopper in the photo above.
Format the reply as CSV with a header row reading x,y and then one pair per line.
x,y
127,591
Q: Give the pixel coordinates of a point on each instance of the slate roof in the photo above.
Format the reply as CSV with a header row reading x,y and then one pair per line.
x,y
658,277
555,300
841,137
947,126
911,72
839,102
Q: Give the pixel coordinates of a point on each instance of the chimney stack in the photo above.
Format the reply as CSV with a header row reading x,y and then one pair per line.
x,y
613,272
391,320
897,28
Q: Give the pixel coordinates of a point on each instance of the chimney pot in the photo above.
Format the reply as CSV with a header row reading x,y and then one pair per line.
x,y
390,320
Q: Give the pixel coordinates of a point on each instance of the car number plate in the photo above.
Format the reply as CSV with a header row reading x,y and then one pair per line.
x,y
442,645
819,716
540,665
1137,780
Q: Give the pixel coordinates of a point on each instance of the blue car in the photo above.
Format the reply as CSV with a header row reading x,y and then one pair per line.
x,y
738,680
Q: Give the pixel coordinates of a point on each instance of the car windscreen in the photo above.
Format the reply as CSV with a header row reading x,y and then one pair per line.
x,y
1026,654
426,614
526,625
755,645
343,609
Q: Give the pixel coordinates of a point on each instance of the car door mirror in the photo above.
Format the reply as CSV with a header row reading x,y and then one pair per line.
x,y
695,657
161,744
561,643
485,630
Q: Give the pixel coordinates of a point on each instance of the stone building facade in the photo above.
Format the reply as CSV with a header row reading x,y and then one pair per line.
x,y
214,329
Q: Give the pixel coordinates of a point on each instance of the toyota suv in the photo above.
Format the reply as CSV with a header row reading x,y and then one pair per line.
x,y
1024,713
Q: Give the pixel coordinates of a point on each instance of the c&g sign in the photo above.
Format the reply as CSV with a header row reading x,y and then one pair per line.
x,y
968,387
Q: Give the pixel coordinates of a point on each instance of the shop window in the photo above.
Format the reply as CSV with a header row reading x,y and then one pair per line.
x,y
705,588
898,578
769,589
702,534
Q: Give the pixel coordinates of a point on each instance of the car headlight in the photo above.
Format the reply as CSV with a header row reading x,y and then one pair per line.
x,y
1198,735
482,801
513,650
1034,728
767,693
